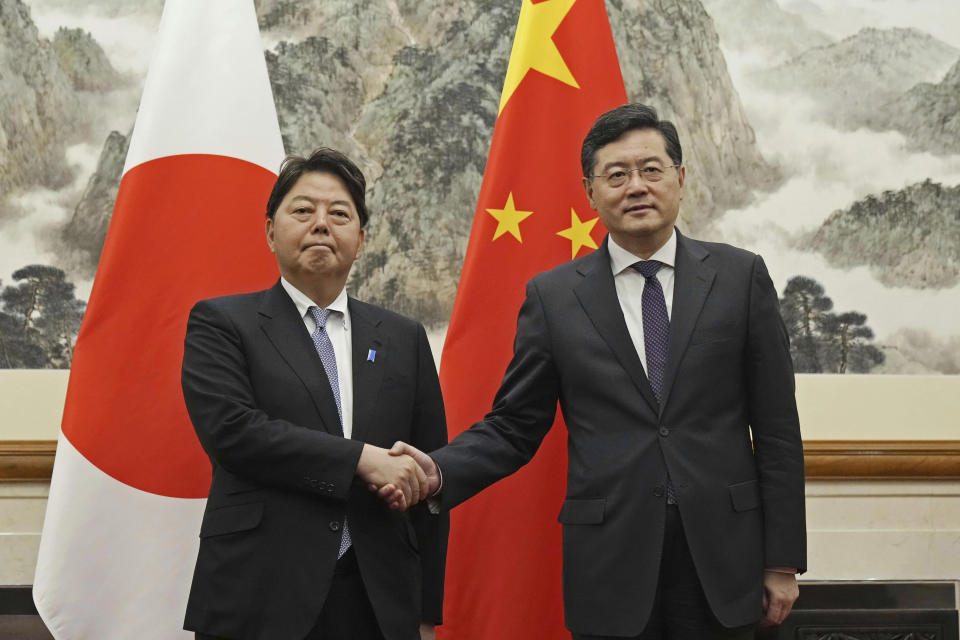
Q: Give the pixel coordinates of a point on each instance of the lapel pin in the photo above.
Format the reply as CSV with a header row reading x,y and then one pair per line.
x,y
371,355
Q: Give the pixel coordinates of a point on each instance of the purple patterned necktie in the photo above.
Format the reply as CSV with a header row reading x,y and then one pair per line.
x,y
321,341
656,336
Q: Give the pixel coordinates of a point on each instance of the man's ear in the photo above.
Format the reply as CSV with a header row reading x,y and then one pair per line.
x,y
268,230
588,187
363,235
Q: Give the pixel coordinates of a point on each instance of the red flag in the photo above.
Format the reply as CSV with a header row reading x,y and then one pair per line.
x,y
126,498
503,571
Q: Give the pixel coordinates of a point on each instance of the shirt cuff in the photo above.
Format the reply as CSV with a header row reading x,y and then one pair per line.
x,y
433,502
439,486
790,570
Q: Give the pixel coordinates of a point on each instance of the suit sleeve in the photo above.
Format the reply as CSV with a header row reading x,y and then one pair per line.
x,y
523,412
430,432
237,434
778,447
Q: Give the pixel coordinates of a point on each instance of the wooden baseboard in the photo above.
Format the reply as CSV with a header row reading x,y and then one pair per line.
x,y
32,460
17,600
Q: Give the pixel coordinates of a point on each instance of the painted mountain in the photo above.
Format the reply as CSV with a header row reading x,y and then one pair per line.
x,y
411,91
908,238
927,114
848,80
762,27
37,104
52,92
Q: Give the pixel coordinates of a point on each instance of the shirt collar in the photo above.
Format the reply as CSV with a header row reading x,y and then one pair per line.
x,y
621,259
303,301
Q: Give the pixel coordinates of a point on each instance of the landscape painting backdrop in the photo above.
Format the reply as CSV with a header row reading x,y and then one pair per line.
x,y
823,134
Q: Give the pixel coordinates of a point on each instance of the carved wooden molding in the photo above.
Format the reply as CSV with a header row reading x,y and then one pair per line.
x,y
26,460
32,460
883,459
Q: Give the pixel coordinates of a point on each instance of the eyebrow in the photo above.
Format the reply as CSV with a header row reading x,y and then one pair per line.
x,y
640,162
314,201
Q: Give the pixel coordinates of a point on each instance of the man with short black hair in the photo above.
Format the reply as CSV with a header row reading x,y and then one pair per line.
x,y
295,393
684,516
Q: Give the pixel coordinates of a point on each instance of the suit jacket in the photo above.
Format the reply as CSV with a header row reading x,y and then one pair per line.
x,y
283,475
728,375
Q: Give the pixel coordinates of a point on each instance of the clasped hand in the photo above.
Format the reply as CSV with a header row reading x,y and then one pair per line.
x,y
402,476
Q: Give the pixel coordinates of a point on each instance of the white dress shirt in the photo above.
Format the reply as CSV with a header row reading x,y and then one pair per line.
x,y
630,286
338,328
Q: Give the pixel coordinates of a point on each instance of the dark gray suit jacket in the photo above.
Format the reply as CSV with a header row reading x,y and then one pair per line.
x,y
283,475
728,375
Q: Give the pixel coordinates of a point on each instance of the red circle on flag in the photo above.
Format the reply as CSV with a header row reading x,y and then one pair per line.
x,y
184,228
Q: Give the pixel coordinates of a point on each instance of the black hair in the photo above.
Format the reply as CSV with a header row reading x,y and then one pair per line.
x,y
323,160
613,124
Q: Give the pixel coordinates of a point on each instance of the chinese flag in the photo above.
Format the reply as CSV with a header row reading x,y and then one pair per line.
x,y
121,531
503,571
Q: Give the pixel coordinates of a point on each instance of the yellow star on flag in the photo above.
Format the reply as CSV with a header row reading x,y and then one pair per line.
x,y
579,233
508,219
533,46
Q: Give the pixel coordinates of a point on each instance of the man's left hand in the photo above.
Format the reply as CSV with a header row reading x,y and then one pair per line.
x,y
780,591
426,631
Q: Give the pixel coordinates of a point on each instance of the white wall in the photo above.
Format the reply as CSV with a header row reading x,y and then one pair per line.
x,y
832,407
22,505
885,530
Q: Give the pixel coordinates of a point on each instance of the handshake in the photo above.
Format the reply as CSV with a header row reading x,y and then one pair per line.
x,y
402,476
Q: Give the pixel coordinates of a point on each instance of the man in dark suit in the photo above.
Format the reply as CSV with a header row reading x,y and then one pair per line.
x,y
295,393
684,515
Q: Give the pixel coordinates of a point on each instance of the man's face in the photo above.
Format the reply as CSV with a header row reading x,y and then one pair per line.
x,y
637,213
316,231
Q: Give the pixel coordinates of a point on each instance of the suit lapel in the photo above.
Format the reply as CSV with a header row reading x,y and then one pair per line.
x,y
366,336
598,297
692,282
284,328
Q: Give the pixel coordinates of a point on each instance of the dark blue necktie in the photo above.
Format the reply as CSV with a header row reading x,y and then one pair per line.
x,y
656,324
656,336
321,341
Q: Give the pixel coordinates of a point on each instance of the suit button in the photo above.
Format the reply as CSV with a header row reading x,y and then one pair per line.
x,y
658,491
334,525
664,431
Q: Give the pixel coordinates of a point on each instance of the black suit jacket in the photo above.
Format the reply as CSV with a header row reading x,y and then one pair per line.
x,y
283,475
728,375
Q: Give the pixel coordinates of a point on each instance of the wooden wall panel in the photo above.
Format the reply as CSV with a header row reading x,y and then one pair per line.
x,y
32,460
